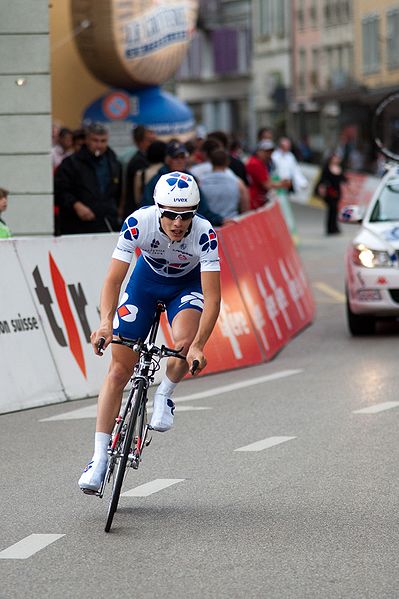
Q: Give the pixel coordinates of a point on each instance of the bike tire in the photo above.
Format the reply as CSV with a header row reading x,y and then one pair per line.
x,y
121,467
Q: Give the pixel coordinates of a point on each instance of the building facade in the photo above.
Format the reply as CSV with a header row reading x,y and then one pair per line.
x,y
324,84
215,78
25,116
271,66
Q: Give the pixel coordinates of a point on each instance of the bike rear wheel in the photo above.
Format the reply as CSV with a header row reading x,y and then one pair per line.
x,y
126,448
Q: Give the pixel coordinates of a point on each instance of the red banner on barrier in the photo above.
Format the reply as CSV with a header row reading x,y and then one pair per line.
x,y
233,343
269,276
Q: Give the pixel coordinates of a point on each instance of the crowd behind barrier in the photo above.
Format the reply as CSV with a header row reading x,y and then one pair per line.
x,y
50,306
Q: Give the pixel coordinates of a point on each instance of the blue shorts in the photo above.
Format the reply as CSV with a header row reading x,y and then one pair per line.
x,y
135,312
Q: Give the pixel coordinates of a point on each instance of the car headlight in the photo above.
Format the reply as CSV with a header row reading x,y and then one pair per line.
x,y
364,256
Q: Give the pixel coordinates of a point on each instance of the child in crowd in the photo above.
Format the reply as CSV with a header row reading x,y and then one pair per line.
x,y
4,230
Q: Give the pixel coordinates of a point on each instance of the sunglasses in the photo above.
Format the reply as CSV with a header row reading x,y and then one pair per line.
x,y
172,215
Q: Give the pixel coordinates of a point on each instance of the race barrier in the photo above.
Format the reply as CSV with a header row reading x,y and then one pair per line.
x,y
50,295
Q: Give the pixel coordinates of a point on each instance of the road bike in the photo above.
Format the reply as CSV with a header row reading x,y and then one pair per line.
x,y
131,431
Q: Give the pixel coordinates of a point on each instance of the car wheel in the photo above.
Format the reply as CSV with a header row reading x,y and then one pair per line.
x,y
359,324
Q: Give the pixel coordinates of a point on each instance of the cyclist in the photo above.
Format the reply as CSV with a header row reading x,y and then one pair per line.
x,y
179,264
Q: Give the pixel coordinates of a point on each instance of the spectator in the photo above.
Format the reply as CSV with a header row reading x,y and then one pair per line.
x,y
4,230
287,167
176,160
226,194
79,139
265,133
198,156
329,188
156,158
88,186
142,137
205,167
258,169
236,149
235,164
287,171
63,147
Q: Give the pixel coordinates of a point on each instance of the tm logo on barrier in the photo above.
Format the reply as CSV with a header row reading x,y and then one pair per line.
x,y
79,300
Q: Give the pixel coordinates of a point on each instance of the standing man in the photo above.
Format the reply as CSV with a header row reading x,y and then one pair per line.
x,y
87,186
286,168
142,138
258,169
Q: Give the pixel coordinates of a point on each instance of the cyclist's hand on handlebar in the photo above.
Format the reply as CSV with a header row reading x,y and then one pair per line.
x,y
100,339
196,361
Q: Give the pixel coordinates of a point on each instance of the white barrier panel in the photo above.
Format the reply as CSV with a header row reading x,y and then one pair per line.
x,y
65,276
29,376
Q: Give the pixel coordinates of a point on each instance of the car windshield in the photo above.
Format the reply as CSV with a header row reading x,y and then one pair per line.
x,y
386,207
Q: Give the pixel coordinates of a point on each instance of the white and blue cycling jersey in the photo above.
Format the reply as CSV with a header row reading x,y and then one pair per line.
x,y
166,270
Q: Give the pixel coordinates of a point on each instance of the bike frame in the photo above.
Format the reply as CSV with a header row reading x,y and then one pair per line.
x,y
130,434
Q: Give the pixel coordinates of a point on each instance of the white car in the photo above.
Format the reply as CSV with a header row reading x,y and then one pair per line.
x,y
372,259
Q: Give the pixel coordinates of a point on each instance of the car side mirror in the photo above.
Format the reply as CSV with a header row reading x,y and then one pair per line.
x,y
351,214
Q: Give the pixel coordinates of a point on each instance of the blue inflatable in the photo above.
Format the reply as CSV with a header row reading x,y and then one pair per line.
x,y
165,114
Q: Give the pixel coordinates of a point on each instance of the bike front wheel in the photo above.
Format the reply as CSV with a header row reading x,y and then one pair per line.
x,y
126,448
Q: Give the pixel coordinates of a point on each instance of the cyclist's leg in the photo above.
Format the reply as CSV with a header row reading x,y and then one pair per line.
x,y
184,313
132,320
110,397
184,328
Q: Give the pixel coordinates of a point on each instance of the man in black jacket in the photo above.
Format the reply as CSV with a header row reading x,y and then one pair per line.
x,y
87,186
143,138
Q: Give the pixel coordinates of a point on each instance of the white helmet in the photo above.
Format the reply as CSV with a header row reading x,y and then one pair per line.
x,y
176,189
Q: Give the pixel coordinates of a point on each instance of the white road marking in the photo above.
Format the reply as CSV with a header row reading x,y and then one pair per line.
x,y
152,487
86,412
240,385
379,407
189,409
330,292
28,546
91,411
265,444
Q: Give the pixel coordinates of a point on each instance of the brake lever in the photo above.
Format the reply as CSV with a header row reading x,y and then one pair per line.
x,y
100,345
194,367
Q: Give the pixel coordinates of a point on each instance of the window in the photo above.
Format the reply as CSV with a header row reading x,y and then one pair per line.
x,y
313,13
370,41
192,64
302,70
280,9
314,74
225,50
393,39
327,13
345,11
264,24
301,14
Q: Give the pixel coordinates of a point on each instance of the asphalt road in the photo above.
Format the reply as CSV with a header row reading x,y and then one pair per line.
x,y
311,514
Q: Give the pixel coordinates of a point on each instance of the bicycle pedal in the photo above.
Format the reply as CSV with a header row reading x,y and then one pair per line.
x,y
89,492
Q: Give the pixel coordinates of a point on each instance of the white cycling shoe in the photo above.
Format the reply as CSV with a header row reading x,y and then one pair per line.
x,y
93,476
163,413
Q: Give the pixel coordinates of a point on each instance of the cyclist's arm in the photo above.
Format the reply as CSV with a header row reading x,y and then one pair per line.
x,y
210,281
109,301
